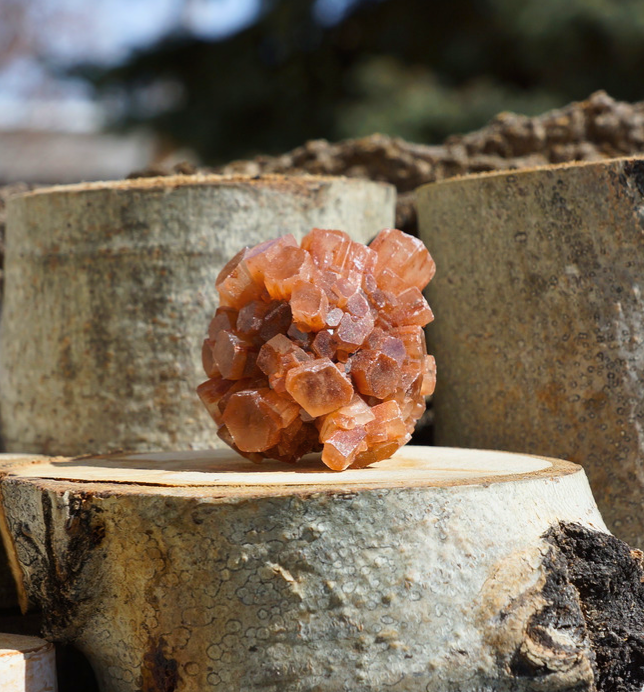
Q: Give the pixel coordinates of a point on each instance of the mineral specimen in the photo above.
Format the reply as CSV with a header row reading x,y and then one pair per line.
x,y
320,347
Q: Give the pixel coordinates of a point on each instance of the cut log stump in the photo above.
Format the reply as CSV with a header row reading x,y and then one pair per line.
x,y
27,664
109,289
539,342
195,571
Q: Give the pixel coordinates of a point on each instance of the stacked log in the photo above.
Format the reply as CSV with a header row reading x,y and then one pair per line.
x,y
110,288
438,569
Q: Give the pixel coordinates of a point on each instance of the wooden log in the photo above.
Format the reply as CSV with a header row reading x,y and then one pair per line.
x,y
539,338
27,664
109,289
200,571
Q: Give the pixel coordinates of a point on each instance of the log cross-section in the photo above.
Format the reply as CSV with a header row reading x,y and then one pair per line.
x,y
200,571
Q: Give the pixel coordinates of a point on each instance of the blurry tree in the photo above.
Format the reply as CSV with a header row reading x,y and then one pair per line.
x,y
34,34
13,29
421,69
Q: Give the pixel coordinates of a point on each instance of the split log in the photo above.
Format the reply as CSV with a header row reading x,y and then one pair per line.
x,y
438,569
109,289
539,341
27,664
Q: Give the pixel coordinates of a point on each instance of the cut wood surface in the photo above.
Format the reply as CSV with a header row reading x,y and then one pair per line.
x,y
423,465
27,664
201,571
109,290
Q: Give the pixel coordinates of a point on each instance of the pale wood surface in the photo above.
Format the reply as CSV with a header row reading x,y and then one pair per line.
x,y
27,664
410,466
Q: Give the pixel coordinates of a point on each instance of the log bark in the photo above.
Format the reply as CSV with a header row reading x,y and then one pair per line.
x,y
8,594
199,571
110,288
539,341
27,664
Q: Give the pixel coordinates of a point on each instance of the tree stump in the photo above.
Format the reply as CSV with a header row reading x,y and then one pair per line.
x,y
539,334
27,664
109,289
196,571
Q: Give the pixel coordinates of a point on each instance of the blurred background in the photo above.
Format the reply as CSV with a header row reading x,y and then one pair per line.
x,y
94,90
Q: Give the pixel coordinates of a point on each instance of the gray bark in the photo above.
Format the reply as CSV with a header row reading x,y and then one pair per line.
x,y
539,336
110,288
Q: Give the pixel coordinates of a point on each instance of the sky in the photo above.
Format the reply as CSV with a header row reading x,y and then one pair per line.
x,y
119,26
106,31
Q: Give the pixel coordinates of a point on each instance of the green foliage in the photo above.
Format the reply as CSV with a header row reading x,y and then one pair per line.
x,y
421,69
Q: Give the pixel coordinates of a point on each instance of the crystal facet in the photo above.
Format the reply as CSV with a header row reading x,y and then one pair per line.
x,y
320,347
319,387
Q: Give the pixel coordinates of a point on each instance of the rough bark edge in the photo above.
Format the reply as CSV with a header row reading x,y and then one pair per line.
x,y
15,590
54,588
58,584
588,633
12,559
608,578
302,184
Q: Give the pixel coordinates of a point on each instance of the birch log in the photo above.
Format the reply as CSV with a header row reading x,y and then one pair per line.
x,y
200,571
109,289
540,341
27,664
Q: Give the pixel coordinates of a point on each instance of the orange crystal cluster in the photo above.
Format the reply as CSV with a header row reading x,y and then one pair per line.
x,y
320,347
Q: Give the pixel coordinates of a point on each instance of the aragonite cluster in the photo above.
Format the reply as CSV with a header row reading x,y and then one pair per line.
x,y
320,346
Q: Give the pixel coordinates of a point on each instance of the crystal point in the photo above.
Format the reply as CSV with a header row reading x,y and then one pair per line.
x,y
250,421
405,256
375,373
235,283
233,355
